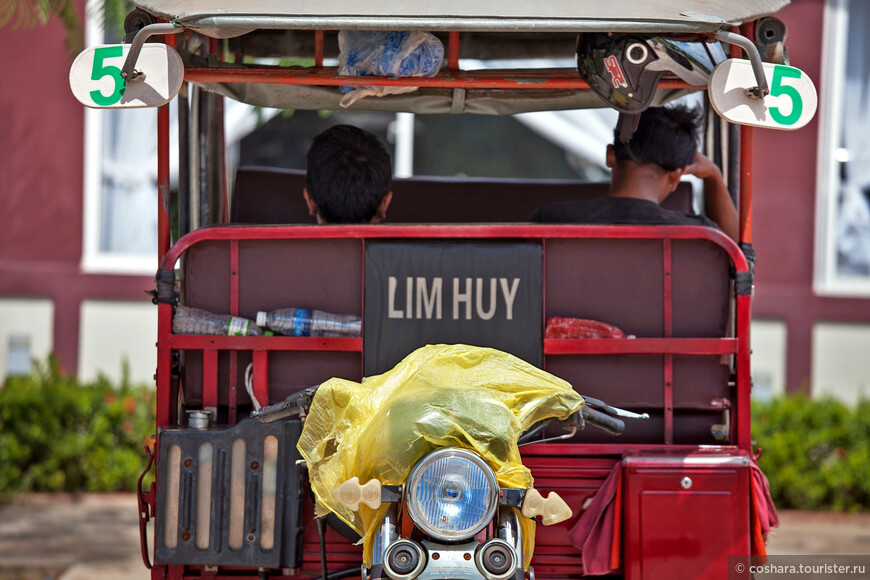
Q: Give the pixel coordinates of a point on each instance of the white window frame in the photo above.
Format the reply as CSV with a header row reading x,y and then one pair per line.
x,y
826,280
94,259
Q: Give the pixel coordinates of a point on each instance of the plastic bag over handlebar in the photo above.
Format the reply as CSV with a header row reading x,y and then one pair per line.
x,y
439,396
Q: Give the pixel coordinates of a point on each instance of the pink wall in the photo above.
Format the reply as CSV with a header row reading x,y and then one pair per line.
x,y
784,213
41,157
41,175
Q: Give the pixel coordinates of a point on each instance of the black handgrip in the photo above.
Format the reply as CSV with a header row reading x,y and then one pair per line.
x,y
602,421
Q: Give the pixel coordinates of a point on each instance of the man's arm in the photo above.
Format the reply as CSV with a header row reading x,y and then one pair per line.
x,y
720,208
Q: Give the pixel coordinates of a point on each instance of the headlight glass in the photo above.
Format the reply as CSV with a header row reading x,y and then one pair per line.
x,y
452,494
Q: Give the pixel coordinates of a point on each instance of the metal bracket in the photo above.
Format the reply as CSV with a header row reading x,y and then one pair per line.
x,y
762,90
128,73
511,497
146,508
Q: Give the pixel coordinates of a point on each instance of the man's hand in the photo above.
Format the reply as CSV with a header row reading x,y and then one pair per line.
x,y
720,208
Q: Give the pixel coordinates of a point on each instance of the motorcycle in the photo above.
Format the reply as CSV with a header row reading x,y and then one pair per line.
x,y
447,457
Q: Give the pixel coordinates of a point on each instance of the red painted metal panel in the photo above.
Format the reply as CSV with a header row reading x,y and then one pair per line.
x,y
693,544
695,346
209,378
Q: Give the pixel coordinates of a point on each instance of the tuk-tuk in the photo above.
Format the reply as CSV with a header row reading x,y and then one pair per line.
x,y
674,495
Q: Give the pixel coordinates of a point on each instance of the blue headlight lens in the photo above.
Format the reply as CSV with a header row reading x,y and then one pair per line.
x,y
452,494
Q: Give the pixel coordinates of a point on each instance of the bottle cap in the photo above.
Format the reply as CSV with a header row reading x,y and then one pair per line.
x,y
261,319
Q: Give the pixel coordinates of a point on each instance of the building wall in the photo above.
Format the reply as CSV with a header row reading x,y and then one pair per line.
x,y
41,184
784,209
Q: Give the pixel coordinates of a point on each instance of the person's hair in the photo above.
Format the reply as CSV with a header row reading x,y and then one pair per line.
x,y
348,174
665,136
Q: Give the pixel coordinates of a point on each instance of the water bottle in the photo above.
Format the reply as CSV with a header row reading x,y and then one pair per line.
x,y
195,321
305,322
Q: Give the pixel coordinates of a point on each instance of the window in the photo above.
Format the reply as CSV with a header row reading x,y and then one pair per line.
x,y
120,190
843,216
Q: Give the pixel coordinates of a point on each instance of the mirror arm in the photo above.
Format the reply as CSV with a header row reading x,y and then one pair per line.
x,y
762,90
128,73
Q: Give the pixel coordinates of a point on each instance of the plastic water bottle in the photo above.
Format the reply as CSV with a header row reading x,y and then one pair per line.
x,y
195,321
305,322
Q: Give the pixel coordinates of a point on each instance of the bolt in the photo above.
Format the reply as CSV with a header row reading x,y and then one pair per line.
x,y
251,537
188,462
435,555
255,465
185,537
467,556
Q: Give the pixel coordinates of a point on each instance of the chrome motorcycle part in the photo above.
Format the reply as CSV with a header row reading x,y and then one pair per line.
x,y
496,560
452,494
404,560
453,561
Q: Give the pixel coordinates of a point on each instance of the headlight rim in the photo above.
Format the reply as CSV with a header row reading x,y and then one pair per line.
x,y
420,468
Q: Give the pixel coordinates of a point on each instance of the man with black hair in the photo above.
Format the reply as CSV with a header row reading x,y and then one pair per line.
x,y
348,178
646,170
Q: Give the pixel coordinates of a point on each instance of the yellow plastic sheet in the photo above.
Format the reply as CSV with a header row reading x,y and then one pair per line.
x,y
438,396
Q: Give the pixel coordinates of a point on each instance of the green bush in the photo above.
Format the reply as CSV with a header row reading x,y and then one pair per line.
x,y
57,434
815,452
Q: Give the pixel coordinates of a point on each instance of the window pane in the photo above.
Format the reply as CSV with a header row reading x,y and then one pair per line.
x,y
853,155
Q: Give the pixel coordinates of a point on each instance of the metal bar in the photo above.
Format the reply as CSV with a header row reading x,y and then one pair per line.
x,y
754,58
234,311
746,140
445,24
261,376
522,231
590,450
453,50
742,410
668,295
128,70
164,364
209,378
520,79
163,191
284,343
688,346
668,289
669,399
318,48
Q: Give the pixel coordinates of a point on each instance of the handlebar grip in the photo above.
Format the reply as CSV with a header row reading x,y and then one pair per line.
x,y
602,421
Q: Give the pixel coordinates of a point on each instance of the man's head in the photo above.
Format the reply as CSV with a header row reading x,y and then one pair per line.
x,y
348,177
665,136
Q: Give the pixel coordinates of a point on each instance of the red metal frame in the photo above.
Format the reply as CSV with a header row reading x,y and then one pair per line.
x,y
519,79
451,78
667,346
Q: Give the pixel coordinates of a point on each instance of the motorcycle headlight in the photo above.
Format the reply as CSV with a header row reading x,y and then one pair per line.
x,y
452,494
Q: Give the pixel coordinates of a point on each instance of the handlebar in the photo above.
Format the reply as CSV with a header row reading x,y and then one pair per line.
x,y
602,421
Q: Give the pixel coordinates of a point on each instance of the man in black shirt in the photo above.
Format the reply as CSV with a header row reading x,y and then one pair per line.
x,y
646,170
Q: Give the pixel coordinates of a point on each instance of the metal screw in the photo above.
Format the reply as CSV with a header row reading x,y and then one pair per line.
x,y
188,462
255,465
686,482
435,555
251,537
185,537
467,556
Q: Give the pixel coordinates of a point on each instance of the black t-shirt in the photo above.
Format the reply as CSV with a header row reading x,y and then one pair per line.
x,y
616,210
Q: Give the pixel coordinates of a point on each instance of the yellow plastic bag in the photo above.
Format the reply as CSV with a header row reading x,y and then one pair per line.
x,y
438,396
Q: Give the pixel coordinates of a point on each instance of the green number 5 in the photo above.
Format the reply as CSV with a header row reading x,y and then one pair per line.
x,y
797,105
101,69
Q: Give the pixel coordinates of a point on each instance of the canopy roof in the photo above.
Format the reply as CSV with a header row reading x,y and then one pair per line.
x,y
226,18
509,29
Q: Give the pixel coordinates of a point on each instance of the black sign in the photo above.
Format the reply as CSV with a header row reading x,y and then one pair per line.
x,y
477,293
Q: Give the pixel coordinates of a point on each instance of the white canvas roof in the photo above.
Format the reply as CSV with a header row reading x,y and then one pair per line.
x,y
225,18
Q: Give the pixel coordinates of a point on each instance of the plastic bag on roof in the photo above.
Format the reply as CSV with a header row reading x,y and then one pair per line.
x,y
438,396
387,54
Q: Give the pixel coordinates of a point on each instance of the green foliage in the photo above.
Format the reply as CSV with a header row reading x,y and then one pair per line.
x,y
57,434
815,452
